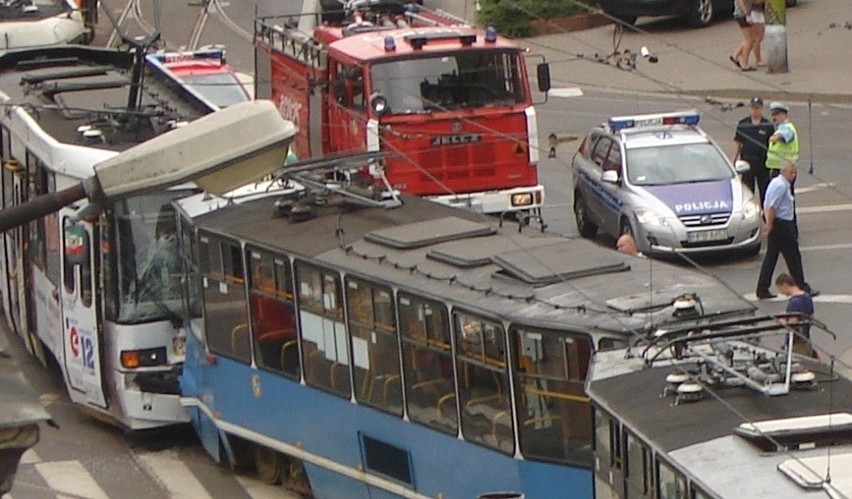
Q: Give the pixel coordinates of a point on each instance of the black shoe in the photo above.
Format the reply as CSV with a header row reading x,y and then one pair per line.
x,y
764,295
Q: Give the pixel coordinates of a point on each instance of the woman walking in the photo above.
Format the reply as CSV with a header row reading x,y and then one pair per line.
x,y
742,13
757,18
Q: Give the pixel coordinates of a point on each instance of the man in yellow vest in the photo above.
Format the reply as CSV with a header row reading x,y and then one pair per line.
x,y
784,143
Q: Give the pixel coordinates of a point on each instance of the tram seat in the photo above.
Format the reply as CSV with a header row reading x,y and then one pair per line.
x,y
290,354
240,340
443,400
393,378
313,363
430,384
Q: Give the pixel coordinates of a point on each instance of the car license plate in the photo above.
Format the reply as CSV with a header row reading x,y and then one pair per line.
x,y
701,236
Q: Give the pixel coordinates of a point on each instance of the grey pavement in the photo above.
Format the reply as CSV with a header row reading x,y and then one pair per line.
x,y
695,61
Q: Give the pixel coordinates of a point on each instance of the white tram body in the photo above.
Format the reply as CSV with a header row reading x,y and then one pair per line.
x,y
721,410
87,286
44,22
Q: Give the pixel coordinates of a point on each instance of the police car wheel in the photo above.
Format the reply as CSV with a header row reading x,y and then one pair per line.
x,y
625,228
585,227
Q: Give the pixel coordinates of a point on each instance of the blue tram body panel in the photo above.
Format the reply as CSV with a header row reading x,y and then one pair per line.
x,y
330,426
501,324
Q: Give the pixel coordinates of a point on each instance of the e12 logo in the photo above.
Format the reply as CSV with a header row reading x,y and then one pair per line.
x,y
84,343
88,352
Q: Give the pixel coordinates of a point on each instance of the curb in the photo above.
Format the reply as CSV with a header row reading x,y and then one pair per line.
x,y
565,24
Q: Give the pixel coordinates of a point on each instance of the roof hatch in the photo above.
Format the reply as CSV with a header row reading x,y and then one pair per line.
x,y
799,433
543,265
439,230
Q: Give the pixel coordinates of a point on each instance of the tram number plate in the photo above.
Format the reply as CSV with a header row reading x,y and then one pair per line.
x,y
707,235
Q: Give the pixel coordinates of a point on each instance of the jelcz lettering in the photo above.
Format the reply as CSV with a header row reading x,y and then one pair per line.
x,y
451,140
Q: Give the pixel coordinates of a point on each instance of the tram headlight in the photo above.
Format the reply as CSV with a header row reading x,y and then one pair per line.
x,y
149,357
522,199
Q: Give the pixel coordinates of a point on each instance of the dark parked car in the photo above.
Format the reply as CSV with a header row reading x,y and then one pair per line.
x,y
697,13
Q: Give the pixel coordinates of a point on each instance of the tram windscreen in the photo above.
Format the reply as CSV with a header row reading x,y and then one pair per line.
x,y
459,81
148,263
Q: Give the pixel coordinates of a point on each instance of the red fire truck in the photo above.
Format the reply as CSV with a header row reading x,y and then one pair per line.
x,y
451,103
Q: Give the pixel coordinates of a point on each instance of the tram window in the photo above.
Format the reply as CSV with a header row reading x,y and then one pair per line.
x,y
375,347
325,347
671,484
697,493
109,276
44,232
428,363
486,415
283,278
611,344
638,467
6,144
192,283
273,315
225,308
553,411
76,261
232,263
602,439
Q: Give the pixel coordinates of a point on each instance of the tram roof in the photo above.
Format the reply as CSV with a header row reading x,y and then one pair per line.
x,y
632,393
452,254
700,436
67,87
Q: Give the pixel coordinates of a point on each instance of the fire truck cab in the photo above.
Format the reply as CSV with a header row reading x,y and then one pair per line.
x,y
450,102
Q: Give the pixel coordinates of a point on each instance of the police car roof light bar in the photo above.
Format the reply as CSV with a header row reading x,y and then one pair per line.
x,y
618,123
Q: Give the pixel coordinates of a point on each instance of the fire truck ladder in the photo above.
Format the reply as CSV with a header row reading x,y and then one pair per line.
x,y
334,174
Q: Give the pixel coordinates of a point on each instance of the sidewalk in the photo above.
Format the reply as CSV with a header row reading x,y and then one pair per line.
x,y
696,61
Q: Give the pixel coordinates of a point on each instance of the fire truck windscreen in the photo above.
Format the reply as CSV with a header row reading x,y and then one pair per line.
x,y
448,82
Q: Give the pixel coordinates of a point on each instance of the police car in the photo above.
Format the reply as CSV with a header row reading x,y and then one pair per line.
x,y
660,178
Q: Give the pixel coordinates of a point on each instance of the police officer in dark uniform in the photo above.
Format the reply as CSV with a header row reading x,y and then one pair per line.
x,y
750,143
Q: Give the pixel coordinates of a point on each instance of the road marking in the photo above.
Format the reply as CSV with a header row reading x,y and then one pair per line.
x,y
173,475
823,209
565,92
822,298
820,247
815,187
71,478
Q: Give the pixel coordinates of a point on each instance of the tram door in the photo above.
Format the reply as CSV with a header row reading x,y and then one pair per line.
x,y
8,259
81,334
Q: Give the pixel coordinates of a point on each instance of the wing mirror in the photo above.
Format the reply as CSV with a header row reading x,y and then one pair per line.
x,y
742,166
610,177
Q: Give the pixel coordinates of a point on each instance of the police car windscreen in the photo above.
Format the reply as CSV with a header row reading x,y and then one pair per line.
x,y
220,89
676,164
458,81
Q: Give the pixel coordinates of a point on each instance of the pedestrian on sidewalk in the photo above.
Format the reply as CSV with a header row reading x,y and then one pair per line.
x,y
783,143
742,9
750,143
781,232
800,302
757,18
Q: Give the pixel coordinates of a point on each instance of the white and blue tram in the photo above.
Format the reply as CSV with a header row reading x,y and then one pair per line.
x,y
95,288
420,351
722,409
41,23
